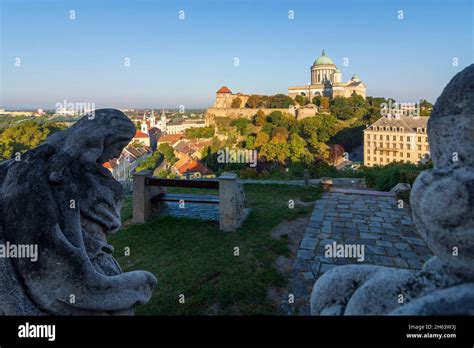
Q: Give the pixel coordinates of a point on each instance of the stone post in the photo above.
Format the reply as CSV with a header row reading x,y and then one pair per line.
x,y
231,202
306,178
141,197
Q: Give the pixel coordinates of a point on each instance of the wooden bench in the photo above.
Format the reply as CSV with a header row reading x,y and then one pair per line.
x,y
150,195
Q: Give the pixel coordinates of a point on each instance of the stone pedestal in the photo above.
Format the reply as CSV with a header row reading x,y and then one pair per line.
x,y
143,207
231,202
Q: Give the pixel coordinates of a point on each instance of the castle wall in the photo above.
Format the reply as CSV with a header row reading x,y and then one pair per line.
x,y
239,113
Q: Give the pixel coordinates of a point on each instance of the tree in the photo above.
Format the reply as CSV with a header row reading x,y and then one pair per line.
x,y
151,162
25,136
241,124
259,118
204,132
279,101
335,152
236,103
168,153
276,152
254,101
301,100
250,142
280,134
262,138
297,147
322,102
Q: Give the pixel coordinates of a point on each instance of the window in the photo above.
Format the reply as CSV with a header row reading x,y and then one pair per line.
x,y
381,137
368,136
419,147
368,158
381,152
408,154
381,145
394,138
387,137
408,147
401,146
401,137
386,160
408,139
368,151
375,159
394,145
419,139
419,155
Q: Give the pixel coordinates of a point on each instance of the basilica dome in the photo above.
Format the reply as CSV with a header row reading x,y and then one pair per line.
x,y
323,60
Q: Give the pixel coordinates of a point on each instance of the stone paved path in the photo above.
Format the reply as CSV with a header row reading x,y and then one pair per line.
x,y
386,232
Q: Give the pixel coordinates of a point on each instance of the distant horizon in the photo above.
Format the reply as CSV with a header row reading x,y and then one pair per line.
x,y
182,58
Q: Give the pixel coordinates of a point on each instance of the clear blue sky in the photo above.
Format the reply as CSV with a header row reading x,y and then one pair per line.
x,y
174,62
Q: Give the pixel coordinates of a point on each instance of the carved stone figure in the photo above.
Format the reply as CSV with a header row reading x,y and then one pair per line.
x,y
442,202
59,197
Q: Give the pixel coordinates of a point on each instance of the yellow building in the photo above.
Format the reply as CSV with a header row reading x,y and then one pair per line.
x,y
396,138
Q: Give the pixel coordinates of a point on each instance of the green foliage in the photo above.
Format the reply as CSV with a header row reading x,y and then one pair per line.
x,y
260,118
168,153
322,102
301,100
347,108
275,151
384,178
349,138
279,101
261,139
204,132
242,125
151,162
250,142
24,136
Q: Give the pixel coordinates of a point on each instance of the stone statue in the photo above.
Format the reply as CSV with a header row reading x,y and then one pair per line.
x,y
59,197
442,202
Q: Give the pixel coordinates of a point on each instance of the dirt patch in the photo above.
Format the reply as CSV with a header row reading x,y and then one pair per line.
x,y
294,232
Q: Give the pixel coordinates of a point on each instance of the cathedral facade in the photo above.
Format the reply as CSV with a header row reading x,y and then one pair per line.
x,y
326,81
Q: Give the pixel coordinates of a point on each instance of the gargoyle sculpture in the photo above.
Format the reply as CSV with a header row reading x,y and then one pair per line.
x,y
59,197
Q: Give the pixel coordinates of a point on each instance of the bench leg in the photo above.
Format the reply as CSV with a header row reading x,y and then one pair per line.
x,y
231,202
141,198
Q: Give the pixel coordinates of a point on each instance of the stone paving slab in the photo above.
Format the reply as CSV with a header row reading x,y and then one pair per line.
x,y
386,232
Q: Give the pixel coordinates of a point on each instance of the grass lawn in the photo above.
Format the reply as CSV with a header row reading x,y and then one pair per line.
x,y
194,258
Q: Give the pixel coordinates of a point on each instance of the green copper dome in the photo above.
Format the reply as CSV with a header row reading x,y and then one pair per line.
x,y
323,60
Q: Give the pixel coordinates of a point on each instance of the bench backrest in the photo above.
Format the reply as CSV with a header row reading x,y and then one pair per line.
x,y
205,184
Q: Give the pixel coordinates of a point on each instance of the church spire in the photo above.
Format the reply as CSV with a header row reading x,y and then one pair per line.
x,y
324,53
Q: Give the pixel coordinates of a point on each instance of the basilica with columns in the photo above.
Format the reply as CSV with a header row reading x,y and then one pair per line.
x,y
326,80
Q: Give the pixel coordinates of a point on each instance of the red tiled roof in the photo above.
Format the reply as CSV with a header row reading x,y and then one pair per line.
x,y
170,138
195,166
224,89
110,164
140,134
